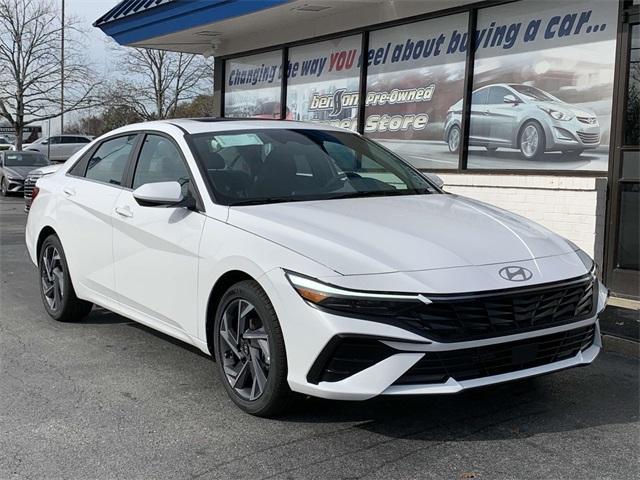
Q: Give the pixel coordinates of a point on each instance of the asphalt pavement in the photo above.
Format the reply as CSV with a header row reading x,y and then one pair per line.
x,y
109,398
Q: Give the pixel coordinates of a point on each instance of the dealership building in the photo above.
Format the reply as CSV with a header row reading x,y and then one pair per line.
x,y
530,105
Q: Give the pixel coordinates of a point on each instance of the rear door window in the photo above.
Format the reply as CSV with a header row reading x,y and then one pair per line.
x,y
109,161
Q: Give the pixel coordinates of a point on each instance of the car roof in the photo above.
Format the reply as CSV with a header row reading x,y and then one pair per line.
x,y
214,124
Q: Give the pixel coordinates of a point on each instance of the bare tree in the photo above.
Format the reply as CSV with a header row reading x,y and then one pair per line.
x,y
156,82
30,76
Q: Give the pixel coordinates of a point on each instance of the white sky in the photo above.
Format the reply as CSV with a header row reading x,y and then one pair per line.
x,y
87,12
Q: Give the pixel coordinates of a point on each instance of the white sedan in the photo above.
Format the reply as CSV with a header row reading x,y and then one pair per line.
x,y
308,259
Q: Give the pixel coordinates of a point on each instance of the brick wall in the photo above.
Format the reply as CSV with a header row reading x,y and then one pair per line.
x,y
574,207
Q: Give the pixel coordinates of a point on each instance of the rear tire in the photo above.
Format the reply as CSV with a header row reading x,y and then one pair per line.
x,y
250,351
59,297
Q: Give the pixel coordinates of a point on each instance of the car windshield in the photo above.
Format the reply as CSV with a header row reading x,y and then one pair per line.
x,y
534,93
25,159
260,166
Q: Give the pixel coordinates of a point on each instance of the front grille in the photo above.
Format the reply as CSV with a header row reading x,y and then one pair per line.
x,y
29,183
588,120
346,356
589,137
472,317
478,362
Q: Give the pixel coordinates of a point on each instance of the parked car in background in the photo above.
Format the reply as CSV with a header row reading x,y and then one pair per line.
x,y
5,144
308,259
32,177
60,147
525,118
14,168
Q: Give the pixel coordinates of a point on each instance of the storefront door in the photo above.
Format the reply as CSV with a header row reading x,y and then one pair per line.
x,y
623,238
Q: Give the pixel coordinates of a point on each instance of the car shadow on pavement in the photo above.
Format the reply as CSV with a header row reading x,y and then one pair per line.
x,y
604,393
571,400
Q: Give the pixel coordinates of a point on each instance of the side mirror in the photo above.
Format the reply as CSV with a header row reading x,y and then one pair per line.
x,y
436,179
510,99
158,194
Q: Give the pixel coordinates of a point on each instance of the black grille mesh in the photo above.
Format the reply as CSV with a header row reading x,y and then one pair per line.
x,y
478,362
451,319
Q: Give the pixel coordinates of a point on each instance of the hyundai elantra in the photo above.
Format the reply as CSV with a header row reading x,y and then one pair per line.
x,y
308,260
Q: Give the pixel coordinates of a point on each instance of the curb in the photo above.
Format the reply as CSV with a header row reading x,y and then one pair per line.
x,y
621,346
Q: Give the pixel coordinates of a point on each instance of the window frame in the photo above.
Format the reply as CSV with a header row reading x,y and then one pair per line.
x,y
83,162
472,9
134,158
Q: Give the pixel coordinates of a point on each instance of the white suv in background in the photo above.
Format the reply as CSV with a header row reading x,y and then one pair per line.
x,y
60,147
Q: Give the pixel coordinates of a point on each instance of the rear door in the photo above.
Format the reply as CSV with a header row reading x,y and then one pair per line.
x,y
156,248
54,149
478,124
90,190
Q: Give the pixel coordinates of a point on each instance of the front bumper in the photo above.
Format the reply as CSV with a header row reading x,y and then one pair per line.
x,y
309,332
572,135
15,185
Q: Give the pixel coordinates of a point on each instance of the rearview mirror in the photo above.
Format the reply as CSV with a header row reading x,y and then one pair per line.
x,y
158,194
435,179
510,99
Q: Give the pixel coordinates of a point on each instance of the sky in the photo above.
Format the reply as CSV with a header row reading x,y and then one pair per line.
x,y
87,12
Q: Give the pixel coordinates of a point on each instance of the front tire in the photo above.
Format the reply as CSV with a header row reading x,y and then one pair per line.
x,y
4,188
250,351
59,297
453,139
532,141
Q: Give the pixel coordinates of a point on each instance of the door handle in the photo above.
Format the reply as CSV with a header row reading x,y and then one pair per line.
x,y
124,212
69,192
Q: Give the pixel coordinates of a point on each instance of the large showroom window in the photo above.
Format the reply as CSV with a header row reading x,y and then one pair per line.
x,y
541,90
415,86
252,86
543,86
323,82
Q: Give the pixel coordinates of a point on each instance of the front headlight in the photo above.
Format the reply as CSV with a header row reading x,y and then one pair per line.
x,y
353,302
556,114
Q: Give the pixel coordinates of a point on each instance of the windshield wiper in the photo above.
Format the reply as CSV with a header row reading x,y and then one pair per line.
x,y
261,201
379,193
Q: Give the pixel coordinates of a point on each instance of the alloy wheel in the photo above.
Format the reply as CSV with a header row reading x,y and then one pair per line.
x,y
52,277
454,140
244,349
529,141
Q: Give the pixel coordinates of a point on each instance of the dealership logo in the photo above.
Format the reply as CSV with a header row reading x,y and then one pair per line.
x,y
515,274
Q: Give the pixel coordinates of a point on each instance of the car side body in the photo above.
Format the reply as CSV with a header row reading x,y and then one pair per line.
x,y
169,267
58,148
500,114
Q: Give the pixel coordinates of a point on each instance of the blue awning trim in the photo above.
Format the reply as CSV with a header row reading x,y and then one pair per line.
x,y
133,21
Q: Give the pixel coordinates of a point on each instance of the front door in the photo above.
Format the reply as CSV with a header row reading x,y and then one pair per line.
x,y
156,248
623,231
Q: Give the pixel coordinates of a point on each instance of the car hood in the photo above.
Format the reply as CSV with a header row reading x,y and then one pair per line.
x,y
46,170
567,108
394,234
18,172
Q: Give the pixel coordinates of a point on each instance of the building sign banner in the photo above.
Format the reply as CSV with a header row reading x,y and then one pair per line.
x,y
545,68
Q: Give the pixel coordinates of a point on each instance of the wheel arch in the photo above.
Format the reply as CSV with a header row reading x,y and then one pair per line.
x,y
222,284
524,123
44,233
